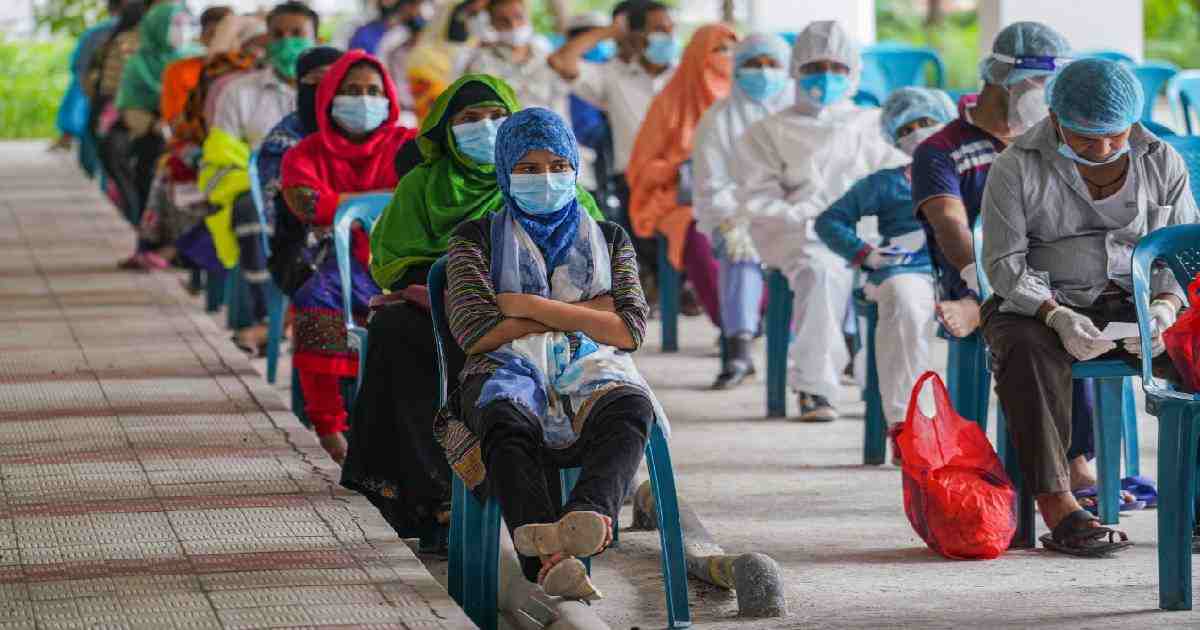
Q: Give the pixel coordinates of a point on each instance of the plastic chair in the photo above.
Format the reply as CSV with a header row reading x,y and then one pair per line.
x,y
214,290
1115,418
1189,148
875,432
364,209
1183,93
1160,130
889,66
1154,77
779,335
967,376
276,300
1178,419
668,298
475,528
1111,55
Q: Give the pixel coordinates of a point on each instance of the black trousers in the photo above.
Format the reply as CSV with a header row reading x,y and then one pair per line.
x,y
252,257
522,472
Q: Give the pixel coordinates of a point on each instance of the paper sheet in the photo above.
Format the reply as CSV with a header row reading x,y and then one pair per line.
x,y
1116,331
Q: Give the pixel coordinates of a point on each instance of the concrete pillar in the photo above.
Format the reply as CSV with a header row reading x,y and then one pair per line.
x,y
1088,25
856,16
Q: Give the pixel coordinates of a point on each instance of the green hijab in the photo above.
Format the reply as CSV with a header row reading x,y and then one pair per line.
x,y
141,81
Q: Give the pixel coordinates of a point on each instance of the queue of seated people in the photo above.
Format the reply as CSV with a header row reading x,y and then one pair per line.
x,y
739,152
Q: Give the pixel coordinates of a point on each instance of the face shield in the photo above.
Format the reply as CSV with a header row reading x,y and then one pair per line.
x,y
1024,78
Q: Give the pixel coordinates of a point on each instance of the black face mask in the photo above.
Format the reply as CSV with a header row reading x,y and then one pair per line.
x,y
306,106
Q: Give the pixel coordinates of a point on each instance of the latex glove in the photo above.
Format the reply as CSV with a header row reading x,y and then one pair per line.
x,y
1079,335
1162,317
1133,345
970,275
883,257
736,243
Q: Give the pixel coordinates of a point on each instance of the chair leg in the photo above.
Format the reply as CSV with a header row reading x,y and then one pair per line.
x,y
966,372
1176,487
276,310
214,291
1002,443
1026,534
233,294
875,432
779,325
674,560
1107,430
489,560
298,399
1133,465
668,299
982,383
455,584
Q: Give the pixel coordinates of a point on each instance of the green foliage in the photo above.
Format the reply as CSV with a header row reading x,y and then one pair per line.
x,y
33,78
68,17
1172,29
956,39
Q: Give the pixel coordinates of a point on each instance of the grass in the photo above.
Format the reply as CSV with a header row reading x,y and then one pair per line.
x,y
33,78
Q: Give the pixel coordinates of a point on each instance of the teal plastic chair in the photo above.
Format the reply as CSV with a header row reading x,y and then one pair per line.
x,y
779,335
668,298
875,431
1110,55
214,290
889,66
475,528
364,209
1188,148
1154,77
1178,419
276,300
1183,92
1114,418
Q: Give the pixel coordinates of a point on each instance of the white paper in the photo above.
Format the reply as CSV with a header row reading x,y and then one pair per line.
x,y
1116,331
912,241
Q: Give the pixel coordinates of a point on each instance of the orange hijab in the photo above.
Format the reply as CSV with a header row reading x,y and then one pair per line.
x,y
664,141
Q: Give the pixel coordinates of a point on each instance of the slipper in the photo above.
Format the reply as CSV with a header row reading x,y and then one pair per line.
x,y
569,580
1074,537
1142,488
1093,506
575,534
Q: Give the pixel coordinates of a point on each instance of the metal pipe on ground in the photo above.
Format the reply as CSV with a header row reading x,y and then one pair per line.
x,y
755,577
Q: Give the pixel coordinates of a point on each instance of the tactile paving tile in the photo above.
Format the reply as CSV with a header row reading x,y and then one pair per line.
x,y
26,400
59,436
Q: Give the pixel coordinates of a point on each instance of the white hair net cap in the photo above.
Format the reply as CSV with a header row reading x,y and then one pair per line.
x,y
827,41
759,44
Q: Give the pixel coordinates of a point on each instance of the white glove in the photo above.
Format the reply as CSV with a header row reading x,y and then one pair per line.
x,y
736,243
1079,335
883,257
971,277
1162,317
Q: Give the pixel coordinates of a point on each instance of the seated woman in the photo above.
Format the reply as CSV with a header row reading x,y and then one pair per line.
x,y
546,303
353,151
1064,207
393,458
899,274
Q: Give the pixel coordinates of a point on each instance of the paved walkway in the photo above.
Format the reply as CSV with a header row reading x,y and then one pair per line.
x,y
149,478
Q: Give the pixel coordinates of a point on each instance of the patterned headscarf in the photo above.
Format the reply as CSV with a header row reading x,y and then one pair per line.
x,y
529,130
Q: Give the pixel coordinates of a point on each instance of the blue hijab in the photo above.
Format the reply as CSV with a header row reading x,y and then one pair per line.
x,y
529,130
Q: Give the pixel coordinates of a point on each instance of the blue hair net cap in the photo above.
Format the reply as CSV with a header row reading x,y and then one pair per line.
x,y
1096,97
1021,41
910,103
759,44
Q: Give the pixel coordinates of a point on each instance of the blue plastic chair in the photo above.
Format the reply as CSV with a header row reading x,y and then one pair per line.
x,y
1183,92
364,209
889,66
475,528
276,300
1110,55
967,377
1158,129
1189,148
875,431
1115,417
1154,77
1178,419
668,298
779,335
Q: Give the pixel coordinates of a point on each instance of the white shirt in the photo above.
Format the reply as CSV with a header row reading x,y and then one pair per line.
x,y
252,104
624,90
535,83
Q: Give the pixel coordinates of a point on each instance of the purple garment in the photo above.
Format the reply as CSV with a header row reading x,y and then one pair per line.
x,y
196,247
324,289
703,272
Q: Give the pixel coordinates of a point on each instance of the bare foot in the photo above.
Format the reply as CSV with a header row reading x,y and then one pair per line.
x,y
1056,507
335,444
1082,474
960,317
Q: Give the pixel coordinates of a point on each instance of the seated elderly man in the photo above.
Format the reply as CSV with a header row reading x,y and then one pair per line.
x,y
1063,209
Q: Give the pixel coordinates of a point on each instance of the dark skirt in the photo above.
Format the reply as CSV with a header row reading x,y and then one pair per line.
x,y
393,458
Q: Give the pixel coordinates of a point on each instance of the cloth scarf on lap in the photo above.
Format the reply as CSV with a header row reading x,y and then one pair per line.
x,y
556,377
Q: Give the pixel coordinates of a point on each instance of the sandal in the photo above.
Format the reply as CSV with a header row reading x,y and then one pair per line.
x,y
575,534
1142,488
1072,536
569,580
1088,500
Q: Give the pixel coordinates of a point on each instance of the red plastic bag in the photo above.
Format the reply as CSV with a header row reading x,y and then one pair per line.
x,y
956,493
1183,341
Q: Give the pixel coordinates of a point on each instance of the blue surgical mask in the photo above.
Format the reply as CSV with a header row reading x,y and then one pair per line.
x,y
1066,151
761,84
602,52
542,193
824,88
360,114
661,49
477,140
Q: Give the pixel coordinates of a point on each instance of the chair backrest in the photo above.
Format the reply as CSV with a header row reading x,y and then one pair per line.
x,y
441,326
889,66
1160,130
1189,148
365,210
256,194
985,285
1179,247
1111,55
1154,76
1183,92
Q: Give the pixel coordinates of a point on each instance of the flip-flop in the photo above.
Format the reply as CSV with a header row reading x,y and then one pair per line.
x,y
1142,488
580,534
1072,536
1090,492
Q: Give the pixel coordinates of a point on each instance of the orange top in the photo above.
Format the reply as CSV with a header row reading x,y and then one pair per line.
x,y
177,81
664,141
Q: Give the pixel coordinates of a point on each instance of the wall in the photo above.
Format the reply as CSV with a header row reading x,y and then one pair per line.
x,y
1087,24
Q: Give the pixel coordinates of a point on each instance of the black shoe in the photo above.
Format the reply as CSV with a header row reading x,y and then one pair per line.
x,y
734,374
815,408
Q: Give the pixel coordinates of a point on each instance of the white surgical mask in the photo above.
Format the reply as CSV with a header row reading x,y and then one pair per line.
x,y
909,143
517,37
